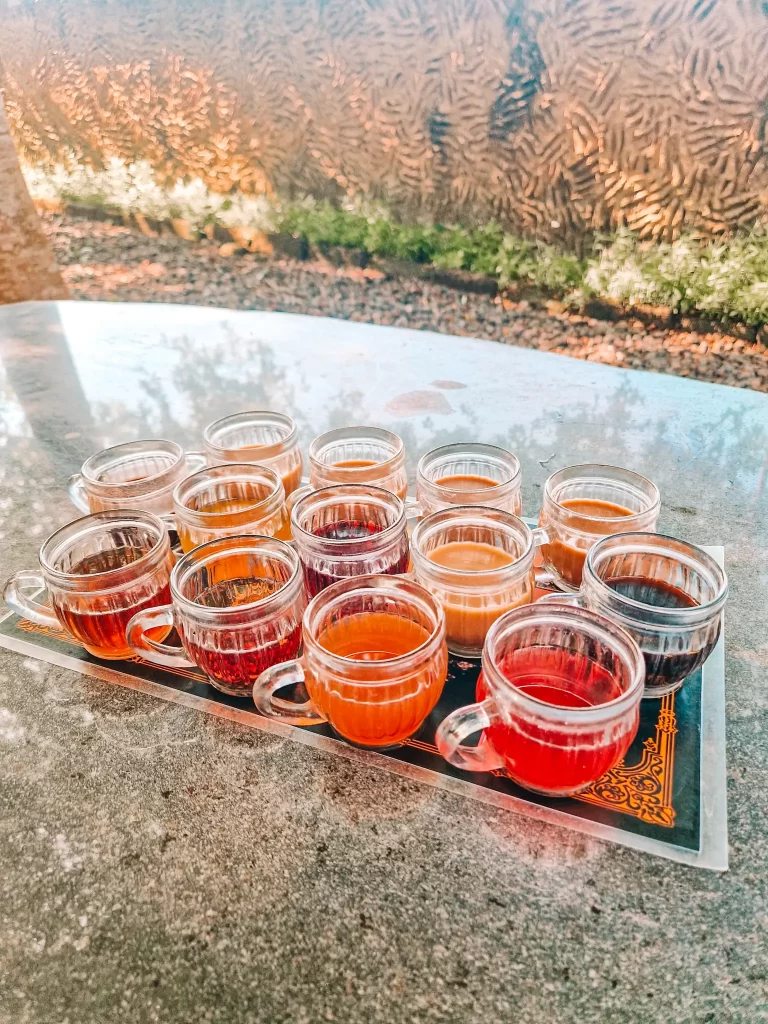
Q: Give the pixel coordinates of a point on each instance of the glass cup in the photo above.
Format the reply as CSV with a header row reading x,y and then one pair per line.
x,y
228,501
265,438
136,475
359,455
374,663
349,530
669,596
98,572
237,604
581,505
558,700
468,474
478,563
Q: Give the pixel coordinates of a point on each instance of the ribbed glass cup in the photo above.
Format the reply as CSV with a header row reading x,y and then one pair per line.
x,y
558,700
137,475
374,664
261,437
349,530
359,455
668,594
583,504
478,563
228,501
469,474
237,605
97,573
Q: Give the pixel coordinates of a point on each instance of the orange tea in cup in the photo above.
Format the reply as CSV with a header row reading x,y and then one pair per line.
x,y
374,664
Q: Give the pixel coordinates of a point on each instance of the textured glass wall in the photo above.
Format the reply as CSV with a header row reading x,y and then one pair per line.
x,y
556,117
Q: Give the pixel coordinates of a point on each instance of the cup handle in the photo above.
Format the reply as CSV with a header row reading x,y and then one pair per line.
x,y
461,723
285,710
294,496
77,493
16,595
152,650
195,461
574,600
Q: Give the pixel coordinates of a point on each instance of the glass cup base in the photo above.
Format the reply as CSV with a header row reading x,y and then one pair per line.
x,y
376,748
231,691
654,692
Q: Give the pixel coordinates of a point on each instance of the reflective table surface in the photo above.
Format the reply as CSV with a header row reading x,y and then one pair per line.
x,y
161,865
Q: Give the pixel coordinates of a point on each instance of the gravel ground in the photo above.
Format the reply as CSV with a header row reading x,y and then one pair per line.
x,y
104,261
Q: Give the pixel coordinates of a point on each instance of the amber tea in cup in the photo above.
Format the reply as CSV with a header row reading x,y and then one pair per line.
x,y
230,500
261,437
374,663
359,455
583,504
137,475
468,474
478,563
97,573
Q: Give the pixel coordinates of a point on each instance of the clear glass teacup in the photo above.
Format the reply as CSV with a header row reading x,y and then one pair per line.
x,y
359,455
136,475
349,530
236,604
582,504
478,563
374,663
230,500
468,474
265,438
668,594
97,572
558,700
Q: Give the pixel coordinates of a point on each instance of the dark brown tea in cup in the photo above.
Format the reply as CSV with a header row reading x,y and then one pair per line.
x,y
663,669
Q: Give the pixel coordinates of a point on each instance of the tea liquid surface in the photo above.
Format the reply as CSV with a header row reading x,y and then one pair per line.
x,y
355,463
470,556
550,757
595,508
466,482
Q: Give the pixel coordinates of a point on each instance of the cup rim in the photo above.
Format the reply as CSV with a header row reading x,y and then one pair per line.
x,y
607,630
136,486
229,545
337,434
353,490
638,478
233,470
478,447
265,451
460,512
366,584
92,523
669,617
